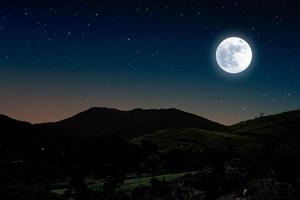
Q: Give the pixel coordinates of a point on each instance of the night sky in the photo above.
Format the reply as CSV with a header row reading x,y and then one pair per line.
x,y
57,59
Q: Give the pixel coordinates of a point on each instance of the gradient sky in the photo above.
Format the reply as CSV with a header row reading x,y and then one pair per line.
x,y
57,59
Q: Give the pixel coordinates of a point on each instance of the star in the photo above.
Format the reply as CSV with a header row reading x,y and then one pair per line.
x,y
292,69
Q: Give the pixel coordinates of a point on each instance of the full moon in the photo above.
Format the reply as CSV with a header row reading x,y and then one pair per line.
x,y
234,55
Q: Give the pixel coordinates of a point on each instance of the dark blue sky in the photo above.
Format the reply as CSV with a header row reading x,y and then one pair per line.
x,y
59,58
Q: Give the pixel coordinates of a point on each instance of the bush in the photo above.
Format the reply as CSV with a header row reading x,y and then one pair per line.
x,y
269,189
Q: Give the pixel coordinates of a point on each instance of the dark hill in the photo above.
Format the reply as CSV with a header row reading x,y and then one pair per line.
x,y
280,130
13,133
11,126
5,120
283,123
100,121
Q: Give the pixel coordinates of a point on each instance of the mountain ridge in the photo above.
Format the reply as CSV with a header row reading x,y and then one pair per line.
x,y
7,118
128,123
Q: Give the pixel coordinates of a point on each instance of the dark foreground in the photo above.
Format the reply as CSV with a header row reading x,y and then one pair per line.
x,y
150,154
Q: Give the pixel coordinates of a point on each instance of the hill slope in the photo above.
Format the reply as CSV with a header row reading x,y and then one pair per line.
x,y
199,139
8,123
283,123
13,133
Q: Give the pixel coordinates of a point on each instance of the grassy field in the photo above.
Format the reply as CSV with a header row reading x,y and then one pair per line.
x,y
279,123
131,183
184,138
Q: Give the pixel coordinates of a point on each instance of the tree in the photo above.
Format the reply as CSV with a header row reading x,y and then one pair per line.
x,y
261,114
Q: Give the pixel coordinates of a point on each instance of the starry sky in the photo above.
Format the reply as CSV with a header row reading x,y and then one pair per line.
x,y
58,58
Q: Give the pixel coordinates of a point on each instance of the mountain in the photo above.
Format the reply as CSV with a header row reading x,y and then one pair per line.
x,y
137,122
11,126
8,122
286,123
13,132
100,121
